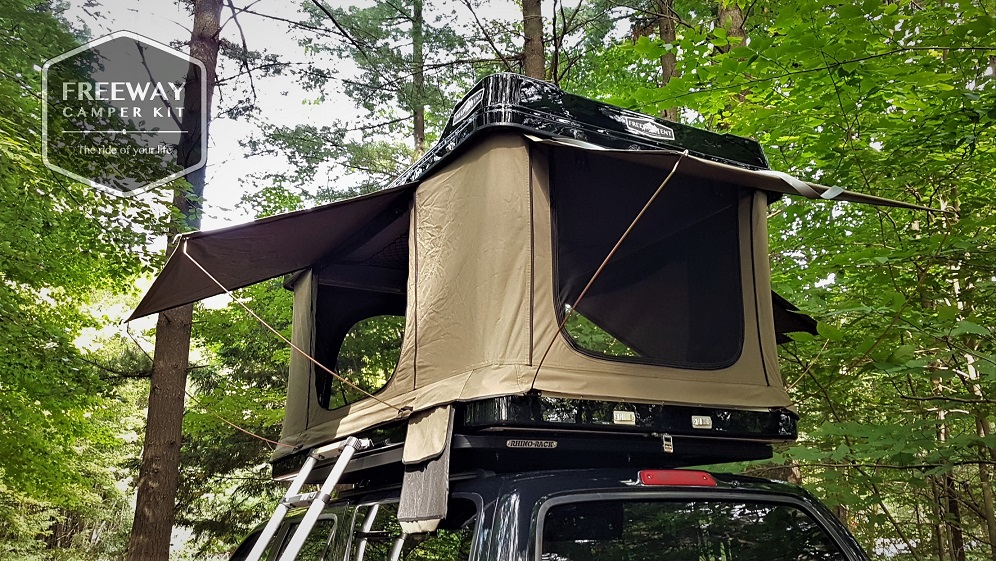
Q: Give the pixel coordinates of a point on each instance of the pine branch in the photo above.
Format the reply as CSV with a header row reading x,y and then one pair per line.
x,y
356,45
245,48
487,36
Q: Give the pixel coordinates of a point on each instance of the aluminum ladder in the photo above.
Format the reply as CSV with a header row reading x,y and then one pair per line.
x,y
315,501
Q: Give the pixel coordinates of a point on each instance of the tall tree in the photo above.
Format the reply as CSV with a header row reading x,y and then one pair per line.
x,y
533,56
160,471
392,43
666,19
409,59
730,17
418,77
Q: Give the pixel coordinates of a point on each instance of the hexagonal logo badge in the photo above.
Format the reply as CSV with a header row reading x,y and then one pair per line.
x,y
123,113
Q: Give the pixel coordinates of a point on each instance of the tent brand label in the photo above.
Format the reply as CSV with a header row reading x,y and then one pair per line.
x,y
471,103
541,444
121,91
113,114
647,126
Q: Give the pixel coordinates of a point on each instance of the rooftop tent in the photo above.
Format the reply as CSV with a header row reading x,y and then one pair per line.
x,y
479,260
503,239
484,258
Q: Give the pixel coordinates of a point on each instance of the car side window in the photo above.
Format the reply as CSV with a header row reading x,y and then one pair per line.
x,y
377,536
318,544
242,553
693,530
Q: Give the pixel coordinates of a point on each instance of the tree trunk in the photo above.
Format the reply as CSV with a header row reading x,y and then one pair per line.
x,y
669,62
160,472
789,473
937,529
962,289
954,519
731,17
533,60
418,74
949,501
985,481
983,428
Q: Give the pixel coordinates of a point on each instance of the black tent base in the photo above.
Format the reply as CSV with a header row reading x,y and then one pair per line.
x,y
534,411
531,432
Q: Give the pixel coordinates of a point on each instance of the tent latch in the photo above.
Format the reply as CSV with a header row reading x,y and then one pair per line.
x,y
668,443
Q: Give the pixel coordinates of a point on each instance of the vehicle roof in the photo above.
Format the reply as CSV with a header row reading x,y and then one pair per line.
x,y
491,485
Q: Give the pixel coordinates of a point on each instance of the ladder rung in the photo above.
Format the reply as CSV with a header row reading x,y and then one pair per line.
x,y
328,452
304,499
307,523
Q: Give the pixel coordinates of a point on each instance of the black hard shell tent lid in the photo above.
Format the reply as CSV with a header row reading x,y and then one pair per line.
x,y
487,246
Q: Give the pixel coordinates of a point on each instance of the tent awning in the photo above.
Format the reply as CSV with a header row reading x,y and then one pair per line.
x,y
765,180
242,255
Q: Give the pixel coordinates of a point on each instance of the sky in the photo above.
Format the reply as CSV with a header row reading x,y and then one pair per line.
x,y
281,100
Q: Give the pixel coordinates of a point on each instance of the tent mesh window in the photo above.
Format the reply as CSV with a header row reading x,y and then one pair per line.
x,y
672,294
359,332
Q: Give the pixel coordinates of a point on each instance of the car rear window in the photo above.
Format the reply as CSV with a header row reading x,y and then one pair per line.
x,y
676,530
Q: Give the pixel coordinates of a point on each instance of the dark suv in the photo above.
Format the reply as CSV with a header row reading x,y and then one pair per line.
x,y
583,515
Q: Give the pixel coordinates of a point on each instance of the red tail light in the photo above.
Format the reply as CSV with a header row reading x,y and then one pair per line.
x,y
676,477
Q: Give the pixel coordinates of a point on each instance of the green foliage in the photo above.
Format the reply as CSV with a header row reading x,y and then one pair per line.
x,y
60,241
591,337
225,485
369,354
894,99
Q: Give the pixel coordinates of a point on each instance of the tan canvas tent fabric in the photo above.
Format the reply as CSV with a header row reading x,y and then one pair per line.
x,y
476,256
